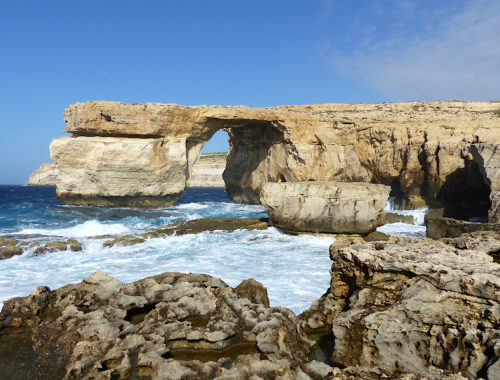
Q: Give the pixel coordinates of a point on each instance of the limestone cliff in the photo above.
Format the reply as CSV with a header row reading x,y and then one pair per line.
x,y
207,172
143,154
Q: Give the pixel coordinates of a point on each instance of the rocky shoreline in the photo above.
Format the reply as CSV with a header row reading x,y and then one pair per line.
x,y
403,308
396,307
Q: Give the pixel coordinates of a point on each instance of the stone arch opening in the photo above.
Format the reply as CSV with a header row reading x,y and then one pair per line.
x,y
250,142
466,191
208,167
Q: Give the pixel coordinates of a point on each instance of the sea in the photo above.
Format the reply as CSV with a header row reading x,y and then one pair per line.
x,y
294,269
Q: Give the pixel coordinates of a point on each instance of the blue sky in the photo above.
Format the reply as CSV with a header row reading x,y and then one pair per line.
x,y
230,52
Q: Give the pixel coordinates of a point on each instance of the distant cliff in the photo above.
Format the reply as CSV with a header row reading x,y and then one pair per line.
x,y
45,175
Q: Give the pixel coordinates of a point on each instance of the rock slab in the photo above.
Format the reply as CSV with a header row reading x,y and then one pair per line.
x,y
330,207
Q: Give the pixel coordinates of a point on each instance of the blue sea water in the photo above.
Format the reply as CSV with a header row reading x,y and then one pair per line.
x,y
293,268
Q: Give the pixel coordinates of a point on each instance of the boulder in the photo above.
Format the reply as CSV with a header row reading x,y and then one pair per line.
x,y
419,148
411,306
438,227
170,326
332,207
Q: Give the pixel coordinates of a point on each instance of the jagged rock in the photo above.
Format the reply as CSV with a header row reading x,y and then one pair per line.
x,y
6,252
55,246
408,306
418,148
391,217
438,227
194,226
335,207
376,236
254,291
169,326
45,175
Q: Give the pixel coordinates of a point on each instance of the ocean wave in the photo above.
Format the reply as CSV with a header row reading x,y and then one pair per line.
x,y
87,229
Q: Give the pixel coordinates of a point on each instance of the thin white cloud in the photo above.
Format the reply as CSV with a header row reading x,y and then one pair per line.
x,y
453,54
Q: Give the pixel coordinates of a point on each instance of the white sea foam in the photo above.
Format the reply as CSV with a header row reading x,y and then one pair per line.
x,y
294,269
403,229
86,229
417,229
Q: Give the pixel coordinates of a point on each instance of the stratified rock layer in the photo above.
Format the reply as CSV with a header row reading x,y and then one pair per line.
x,y
420,149
170,326
332,207
207,172
407,306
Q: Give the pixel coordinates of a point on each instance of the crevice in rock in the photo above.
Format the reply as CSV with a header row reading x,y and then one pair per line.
x,y
196,321
106,117
236,346
323,349
136,315
466,193
495,255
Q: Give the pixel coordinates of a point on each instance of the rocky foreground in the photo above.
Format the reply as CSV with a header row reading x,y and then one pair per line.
x,y
402,308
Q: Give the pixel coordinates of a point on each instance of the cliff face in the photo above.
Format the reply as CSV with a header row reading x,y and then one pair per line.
x,y
143,152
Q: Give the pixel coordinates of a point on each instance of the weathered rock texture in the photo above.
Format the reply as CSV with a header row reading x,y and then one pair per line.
x,y
45,175
407,306
334,207
207,172
170,326
129,153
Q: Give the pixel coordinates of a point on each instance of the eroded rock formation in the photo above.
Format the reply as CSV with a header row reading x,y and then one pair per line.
x,y
407,305
320,206
170,326
143,154
207,172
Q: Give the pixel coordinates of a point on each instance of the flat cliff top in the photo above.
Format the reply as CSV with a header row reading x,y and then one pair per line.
x,y
302,122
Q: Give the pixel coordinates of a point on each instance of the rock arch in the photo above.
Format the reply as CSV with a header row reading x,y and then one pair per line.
x,y
143,154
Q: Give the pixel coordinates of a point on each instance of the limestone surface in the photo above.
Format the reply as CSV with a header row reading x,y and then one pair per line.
x,y
412,305
334,207
420,149
170,326
207,172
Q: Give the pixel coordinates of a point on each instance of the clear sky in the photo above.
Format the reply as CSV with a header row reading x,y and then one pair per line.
x,y
229,52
